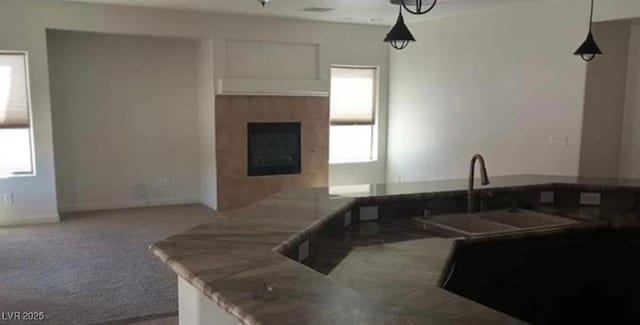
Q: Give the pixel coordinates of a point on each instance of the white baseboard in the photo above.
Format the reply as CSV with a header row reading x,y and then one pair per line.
x,y
29,220
92,206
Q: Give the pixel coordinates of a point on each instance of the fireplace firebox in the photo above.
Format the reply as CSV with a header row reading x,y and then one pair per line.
x,y
273,148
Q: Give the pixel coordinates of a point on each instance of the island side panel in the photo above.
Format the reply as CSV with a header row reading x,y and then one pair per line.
x,y
196,309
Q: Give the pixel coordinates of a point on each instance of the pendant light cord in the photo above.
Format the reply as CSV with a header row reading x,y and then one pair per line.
x,y
591,16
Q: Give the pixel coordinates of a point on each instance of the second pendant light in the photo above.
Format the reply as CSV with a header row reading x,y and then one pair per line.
x,y
399,36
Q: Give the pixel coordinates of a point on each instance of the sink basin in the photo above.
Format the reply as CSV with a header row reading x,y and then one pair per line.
x,y
526,219
490,222
470,224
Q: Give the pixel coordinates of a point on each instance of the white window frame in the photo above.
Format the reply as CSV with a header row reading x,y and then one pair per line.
x,y
376,113
33,172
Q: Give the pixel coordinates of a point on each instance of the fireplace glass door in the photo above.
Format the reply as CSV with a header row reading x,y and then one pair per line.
x,y
273,149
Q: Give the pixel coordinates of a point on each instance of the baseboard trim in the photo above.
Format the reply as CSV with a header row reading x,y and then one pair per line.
x,y
30,220
94,206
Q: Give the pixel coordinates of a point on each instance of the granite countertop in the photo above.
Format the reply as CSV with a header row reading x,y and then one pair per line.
x,y
236,261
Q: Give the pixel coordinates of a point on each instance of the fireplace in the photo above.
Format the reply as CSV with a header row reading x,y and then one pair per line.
x,y
273,149
240,141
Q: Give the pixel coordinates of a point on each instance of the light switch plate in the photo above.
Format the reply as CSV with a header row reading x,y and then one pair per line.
x,y
590,199
303,251
369,213
347,219
547,197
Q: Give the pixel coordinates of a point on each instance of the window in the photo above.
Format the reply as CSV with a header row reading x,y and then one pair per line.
x,y
15,116
353,114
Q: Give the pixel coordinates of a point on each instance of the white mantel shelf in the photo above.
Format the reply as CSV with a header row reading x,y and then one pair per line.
x,y
273,87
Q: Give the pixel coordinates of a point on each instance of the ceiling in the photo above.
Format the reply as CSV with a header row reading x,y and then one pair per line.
x,y
376,12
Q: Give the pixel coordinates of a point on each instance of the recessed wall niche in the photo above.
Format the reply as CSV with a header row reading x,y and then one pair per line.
x,y
270,60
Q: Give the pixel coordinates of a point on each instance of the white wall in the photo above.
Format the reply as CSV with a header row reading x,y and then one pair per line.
x,y
630,144
604,102
503,83
23,25
35,197
206,130
124,114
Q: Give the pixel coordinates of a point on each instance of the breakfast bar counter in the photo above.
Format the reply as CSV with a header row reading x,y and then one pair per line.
x,y
243,268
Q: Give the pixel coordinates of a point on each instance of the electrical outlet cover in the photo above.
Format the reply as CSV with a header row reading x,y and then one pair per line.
x,y
347,219
369,213
547,197
590,199
8,198
77,187
303,251
559,140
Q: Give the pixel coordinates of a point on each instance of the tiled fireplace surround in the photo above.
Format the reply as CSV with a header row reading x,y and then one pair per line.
x,y
235,187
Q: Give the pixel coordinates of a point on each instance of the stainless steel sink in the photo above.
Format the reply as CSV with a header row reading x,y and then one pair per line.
x,y
490,222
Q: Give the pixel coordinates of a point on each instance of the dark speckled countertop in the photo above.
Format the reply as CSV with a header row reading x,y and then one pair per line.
x,y
236,258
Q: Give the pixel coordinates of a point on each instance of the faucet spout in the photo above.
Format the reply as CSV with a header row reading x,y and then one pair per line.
x,y
484,178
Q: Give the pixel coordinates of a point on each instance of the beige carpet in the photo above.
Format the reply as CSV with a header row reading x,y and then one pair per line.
x,y
93,267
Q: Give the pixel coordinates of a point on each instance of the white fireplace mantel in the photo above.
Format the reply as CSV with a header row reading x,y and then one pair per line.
x,y
273,87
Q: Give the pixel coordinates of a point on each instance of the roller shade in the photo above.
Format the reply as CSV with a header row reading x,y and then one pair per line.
x,y
353,93
14,103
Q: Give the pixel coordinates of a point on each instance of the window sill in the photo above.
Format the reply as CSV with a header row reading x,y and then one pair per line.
x,y
336,163
10,176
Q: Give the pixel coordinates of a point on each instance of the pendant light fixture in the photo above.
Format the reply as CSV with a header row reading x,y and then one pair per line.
x,y
399,36
419,9
263,2
589,49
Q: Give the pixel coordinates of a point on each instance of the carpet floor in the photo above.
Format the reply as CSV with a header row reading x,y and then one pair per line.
x,y
93,267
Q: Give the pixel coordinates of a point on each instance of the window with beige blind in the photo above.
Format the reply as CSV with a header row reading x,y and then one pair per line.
x,y
354,92
16,156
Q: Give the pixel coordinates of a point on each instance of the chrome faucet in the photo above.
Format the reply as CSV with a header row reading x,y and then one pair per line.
x,y
484,179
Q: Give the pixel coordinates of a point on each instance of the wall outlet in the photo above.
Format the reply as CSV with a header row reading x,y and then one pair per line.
x,y
559,140
303,251
140,191
547,197
77,187
368,213
163,182
590,199
7,199
347,219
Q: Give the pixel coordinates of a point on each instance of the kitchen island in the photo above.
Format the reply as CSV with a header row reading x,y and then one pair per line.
x,y
247,266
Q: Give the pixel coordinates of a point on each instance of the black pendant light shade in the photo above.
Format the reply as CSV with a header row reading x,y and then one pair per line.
x,y
399,36
263,2
589,49
419,8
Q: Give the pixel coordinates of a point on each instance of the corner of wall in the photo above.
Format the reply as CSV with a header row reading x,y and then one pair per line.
x,y
206,125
